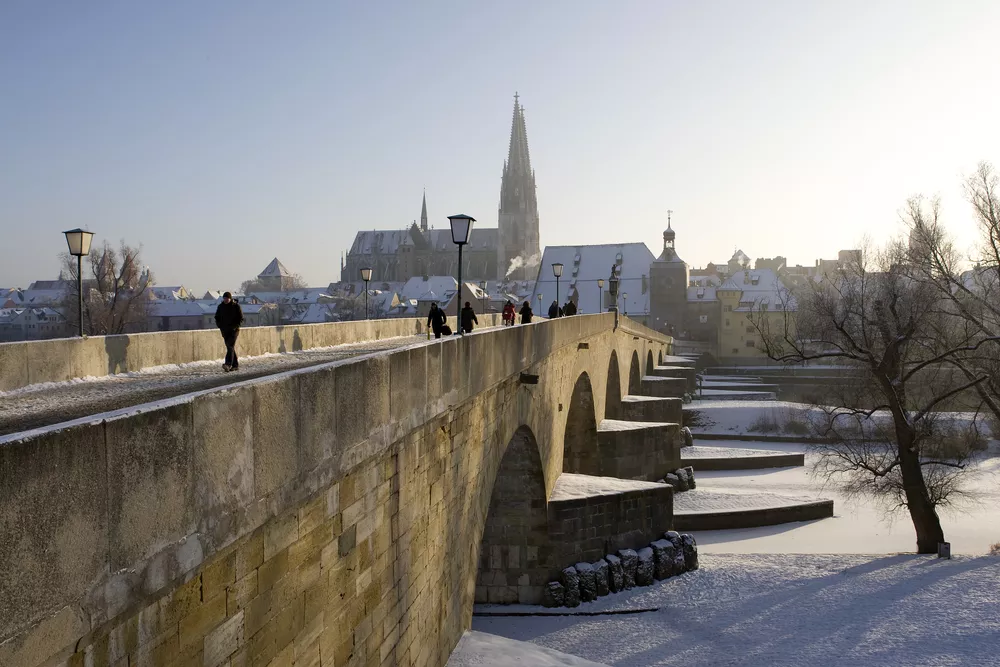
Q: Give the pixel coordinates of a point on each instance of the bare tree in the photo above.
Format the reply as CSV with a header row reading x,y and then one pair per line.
x,y
115,293
973,294
897,341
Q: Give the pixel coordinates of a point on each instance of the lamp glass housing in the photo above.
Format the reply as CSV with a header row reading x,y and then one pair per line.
x,y
461,228
78,241
557,270
366,274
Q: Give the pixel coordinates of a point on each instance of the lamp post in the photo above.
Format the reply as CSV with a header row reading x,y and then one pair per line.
x,y
625,303
557,272
366,275
613,288
461,227
482,288
539,304
600,295
78,241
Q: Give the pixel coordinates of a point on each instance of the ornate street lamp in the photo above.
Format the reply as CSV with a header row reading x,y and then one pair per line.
x,y
625,303
539,304
482,288
613,289
366,275
557,272
600,295
78,241
461,228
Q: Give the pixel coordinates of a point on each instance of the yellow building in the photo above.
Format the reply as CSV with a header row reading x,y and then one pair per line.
x,y
746,294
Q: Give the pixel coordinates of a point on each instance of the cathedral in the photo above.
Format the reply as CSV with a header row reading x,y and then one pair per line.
x,y
509,251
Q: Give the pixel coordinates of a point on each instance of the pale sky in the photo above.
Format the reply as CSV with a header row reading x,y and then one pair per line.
x,y
221,134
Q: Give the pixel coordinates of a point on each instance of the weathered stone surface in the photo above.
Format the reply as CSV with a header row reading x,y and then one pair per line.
x,y
601,571
571,586
690,548
663,559
689,474
588,586
682,481
644,567
629,562
675,539
554,595
616,573
673,480
688,436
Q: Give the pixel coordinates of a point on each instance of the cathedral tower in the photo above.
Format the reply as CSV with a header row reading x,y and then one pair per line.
x,y
518,246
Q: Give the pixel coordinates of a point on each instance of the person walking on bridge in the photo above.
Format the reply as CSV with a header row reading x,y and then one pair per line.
x,y
229,318
436,320
508,314
468,317
555,311
526,313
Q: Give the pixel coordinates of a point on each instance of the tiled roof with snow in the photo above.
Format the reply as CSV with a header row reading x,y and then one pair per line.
x,y
584,265
179,309
274,270
435,287
388,241
759,287
701,293
308,295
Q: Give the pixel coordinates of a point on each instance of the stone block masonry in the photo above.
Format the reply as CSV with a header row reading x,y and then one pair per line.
x,y
320,517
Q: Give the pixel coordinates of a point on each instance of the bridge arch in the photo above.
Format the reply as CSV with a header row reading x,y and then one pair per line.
x,y
613,390
580,450
634,375
649,362
659,360
514,547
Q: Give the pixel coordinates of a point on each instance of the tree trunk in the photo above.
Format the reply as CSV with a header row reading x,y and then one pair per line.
x,y
922,512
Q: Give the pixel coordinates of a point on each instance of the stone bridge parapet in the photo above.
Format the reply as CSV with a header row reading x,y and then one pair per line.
x,y
330,515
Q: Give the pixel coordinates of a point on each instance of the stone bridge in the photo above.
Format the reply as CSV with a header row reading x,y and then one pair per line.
x,y
344,514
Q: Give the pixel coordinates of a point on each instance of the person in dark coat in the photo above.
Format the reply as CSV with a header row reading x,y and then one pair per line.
x,y
570,308
554,310
229,318
526,313
436,319
468,318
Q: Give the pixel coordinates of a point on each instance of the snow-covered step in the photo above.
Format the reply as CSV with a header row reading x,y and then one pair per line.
x,y
687,372
668,387
730,395
637,449
481,649
652,409
702,509
701,458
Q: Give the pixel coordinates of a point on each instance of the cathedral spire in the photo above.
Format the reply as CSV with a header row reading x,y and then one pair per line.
x,y
518,158
519,247
423,213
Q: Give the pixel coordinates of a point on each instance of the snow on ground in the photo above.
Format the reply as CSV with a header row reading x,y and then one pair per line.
x,y
792,610
704,500
695,452
479,649
746,417
571,485
858,526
